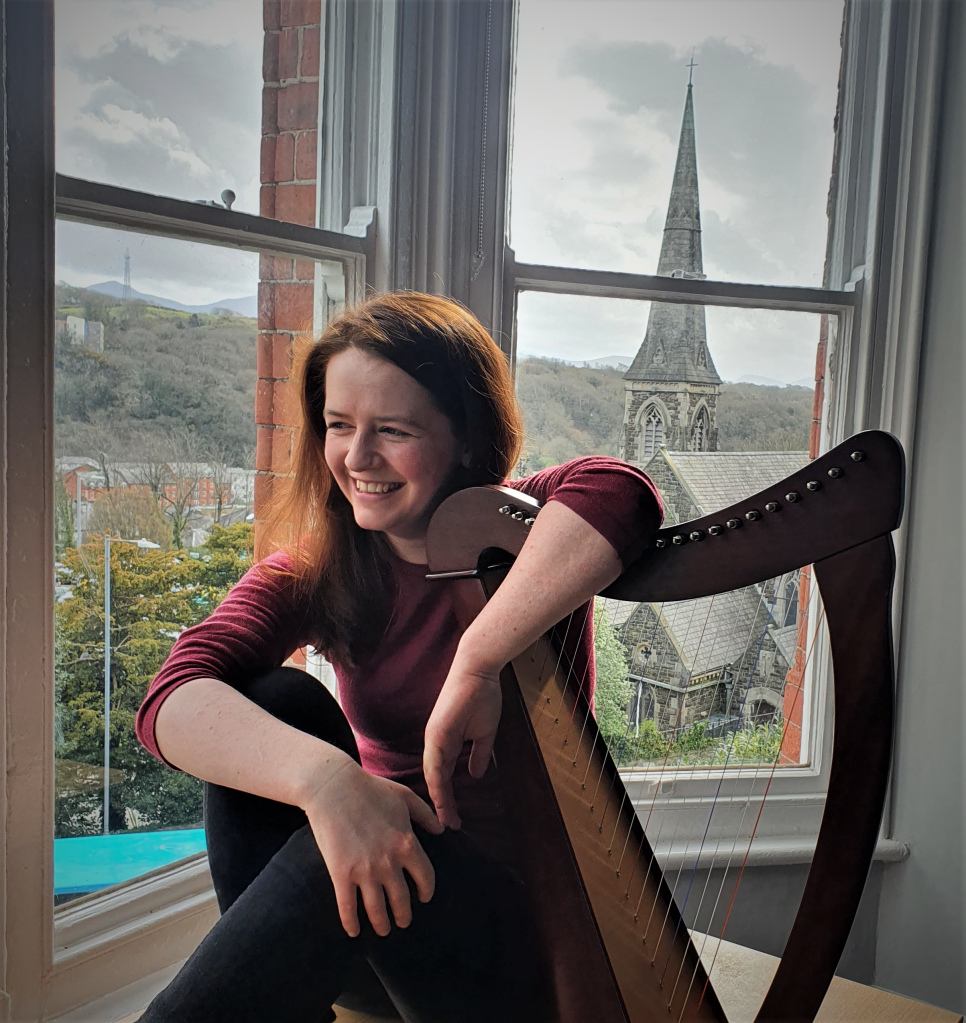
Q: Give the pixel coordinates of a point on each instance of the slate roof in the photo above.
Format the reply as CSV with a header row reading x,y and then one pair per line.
x,y
717,479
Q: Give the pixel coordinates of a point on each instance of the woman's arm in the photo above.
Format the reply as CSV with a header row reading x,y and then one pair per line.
x,y
362,823
564,562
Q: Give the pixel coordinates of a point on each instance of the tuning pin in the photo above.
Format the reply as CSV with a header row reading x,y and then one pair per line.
x,y
813,485
858,456
517,516
679,539
753,516
715,530
733,523
836,473
529,522
792,497
507,509
773,506
660,543
697,536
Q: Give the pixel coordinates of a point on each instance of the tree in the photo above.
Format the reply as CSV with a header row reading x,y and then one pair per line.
x,y
131,512
613,691
155,595
64,518
185,472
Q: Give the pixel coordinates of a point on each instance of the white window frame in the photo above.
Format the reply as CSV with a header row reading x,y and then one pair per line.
x,y
880,205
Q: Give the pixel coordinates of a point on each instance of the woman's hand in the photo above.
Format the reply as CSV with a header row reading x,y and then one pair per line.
x,y
363,827
564,562
467,710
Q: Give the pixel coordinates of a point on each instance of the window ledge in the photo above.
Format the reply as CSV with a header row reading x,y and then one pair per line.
x,y
127,912
769,852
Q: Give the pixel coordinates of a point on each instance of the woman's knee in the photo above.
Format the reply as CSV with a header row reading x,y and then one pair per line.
x,y
300,700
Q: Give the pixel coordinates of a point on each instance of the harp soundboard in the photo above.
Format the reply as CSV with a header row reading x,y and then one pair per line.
x,y
618,945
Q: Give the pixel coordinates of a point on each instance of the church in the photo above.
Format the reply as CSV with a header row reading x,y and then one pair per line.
x,y
718,661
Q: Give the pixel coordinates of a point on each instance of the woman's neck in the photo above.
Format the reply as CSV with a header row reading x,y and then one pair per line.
x,y
408,549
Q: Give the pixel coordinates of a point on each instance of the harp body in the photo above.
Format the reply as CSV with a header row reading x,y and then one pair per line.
x,y
596,884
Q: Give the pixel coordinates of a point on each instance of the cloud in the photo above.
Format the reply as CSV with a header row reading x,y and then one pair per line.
x,y
598,116
164,98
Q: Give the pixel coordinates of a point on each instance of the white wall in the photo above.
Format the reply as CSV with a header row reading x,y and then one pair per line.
x,y
920,945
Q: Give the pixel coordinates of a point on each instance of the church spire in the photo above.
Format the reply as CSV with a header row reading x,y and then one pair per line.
x,y
671,389
676,344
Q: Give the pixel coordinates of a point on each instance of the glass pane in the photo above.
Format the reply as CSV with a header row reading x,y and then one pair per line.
x,y
162,98
156,378
714,404
607,130
720,681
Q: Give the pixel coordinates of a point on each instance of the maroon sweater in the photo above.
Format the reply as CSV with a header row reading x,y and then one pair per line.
x,y
388,697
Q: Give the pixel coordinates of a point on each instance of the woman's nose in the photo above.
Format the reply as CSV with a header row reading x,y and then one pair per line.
x,y
362,453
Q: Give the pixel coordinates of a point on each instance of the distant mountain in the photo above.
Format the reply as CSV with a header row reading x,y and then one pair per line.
x,y
609,362
751,378
245,306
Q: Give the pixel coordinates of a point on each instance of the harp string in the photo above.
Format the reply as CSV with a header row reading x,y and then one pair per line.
x,y
714,802
779,588
798,695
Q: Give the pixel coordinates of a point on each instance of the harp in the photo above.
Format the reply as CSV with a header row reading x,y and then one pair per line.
x,y
586,857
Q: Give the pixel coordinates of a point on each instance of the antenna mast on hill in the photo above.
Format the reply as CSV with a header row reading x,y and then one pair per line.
x,y
126,290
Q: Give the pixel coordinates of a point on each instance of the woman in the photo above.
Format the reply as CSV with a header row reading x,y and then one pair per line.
x,y
336,879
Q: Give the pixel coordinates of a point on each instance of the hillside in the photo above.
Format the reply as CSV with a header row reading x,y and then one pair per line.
x,y
161,368
571,410
164,368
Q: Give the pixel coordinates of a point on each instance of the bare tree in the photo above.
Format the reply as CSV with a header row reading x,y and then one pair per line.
x,y
216,455
185,472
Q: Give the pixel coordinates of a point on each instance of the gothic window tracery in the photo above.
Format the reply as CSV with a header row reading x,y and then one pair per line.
x,y
699,436
653,432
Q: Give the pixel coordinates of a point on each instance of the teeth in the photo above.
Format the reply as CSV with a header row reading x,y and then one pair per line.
x,y
376,488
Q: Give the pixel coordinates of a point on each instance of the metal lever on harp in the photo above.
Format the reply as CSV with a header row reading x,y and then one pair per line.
x,y
837,514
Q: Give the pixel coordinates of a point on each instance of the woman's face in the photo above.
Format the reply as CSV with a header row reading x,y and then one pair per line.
x,y
387,445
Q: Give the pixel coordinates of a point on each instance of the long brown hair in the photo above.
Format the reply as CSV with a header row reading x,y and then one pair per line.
x,y
341,572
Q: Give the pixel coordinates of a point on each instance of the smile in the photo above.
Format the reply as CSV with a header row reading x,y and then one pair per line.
x,y
362,487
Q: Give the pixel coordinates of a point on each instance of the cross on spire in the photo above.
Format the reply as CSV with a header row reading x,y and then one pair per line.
x,y
691,67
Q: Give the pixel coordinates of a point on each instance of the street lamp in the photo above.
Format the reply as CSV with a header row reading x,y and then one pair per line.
x,y
144,545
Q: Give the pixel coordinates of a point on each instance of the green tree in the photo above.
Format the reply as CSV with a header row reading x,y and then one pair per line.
x,y
155,595
613,691
64,519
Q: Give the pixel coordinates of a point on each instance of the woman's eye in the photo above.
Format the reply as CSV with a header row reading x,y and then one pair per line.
x,y
337,426
393,431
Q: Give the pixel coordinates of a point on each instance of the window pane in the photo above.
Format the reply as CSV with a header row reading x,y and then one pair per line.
x,y
606,126
715,404
155,409
163,98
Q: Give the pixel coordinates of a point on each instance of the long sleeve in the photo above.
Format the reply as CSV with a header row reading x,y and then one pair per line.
x,y
254,629
617,499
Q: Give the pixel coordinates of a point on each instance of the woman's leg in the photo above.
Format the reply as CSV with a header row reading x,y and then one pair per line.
x,y
279,951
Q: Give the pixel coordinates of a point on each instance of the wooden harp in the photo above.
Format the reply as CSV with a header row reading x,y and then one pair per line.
x,y
836,514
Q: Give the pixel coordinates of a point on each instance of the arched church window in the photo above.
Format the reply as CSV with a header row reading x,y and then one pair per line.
x,y
699,438
653,432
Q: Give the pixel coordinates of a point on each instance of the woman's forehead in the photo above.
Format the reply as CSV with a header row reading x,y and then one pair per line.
x,y
362,381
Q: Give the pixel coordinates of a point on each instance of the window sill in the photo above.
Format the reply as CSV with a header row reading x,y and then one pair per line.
x,y
115,938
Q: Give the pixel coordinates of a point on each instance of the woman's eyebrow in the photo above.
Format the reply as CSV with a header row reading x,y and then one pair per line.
x,y
406,420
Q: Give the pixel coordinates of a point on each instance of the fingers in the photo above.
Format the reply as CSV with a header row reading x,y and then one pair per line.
x,y
375,903
397,892
480,755
421,871
345,897
438,769
421,813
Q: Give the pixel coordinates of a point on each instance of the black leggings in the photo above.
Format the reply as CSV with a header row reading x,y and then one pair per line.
x,y
279,950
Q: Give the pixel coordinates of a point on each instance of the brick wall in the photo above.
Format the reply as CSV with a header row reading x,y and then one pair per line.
x,y
289,157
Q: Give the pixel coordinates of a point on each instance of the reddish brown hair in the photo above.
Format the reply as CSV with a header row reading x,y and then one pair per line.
x,y
342,571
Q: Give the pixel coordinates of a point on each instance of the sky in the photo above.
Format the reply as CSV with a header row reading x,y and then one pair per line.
x,y
598,107
165,97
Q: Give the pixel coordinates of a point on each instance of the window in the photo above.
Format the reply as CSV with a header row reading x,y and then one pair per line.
x,y
714,402
878,232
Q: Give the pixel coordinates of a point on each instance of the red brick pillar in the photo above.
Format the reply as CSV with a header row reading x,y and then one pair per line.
x,y
794,696
290,105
